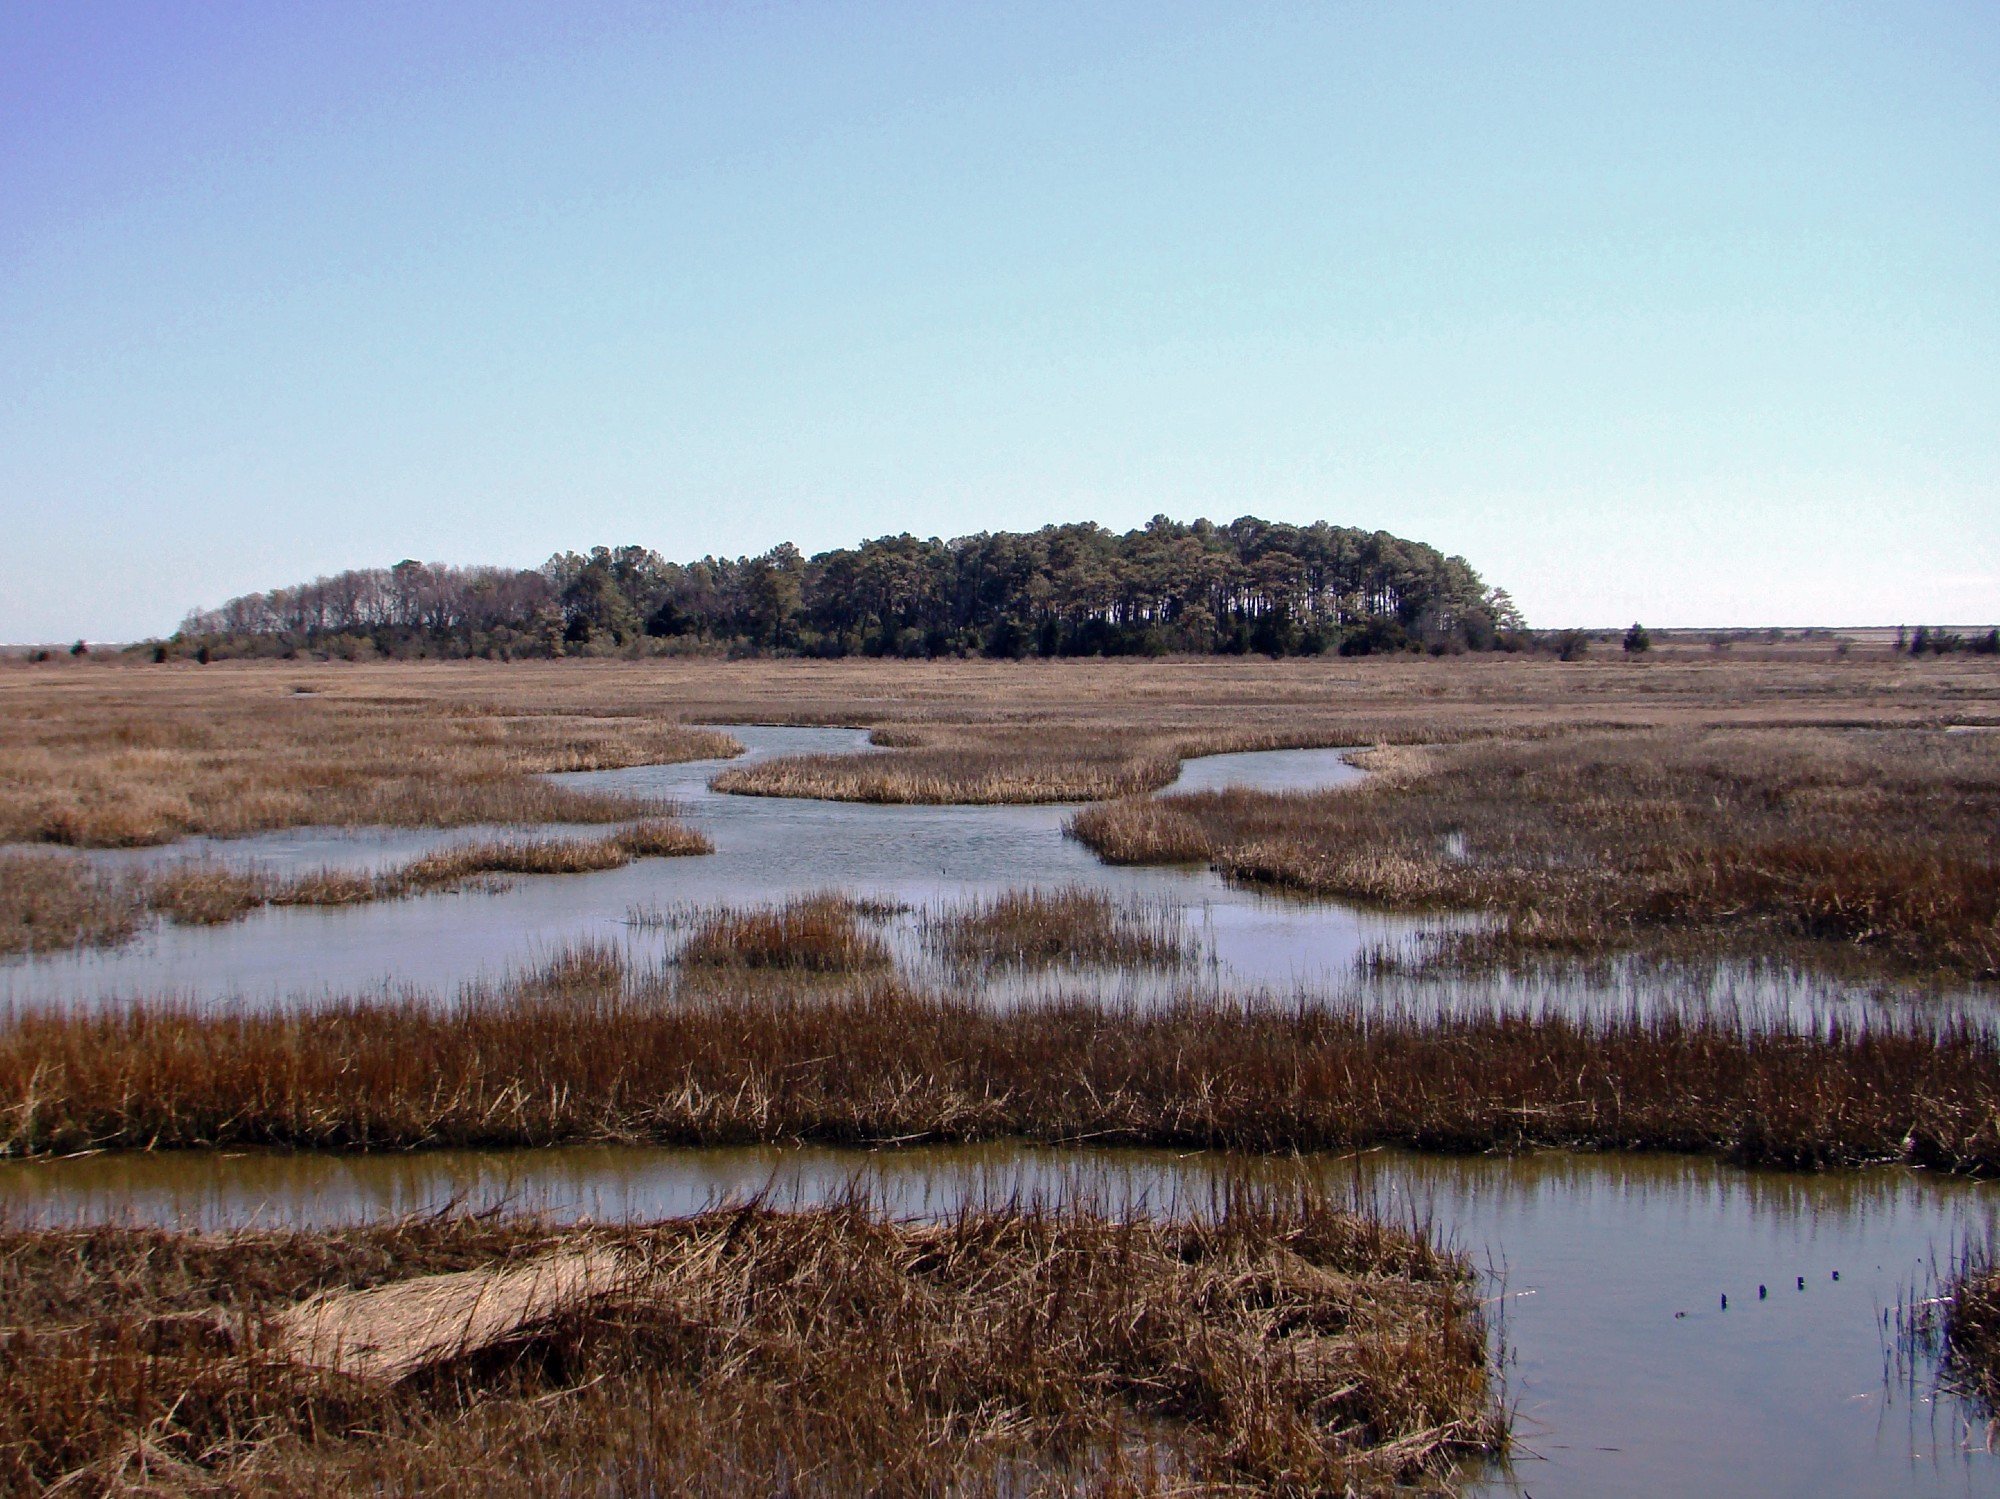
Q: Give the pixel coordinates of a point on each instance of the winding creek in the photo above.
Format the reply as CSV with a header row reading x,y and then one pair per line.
x,y
1607,1272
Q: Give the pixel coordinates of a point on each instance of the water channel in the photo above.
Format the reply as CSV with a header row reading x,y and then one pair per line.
x,y
1607,1272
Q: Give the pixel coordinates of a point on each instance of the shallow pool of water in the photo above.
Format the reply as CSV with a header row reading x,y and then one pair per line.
x,y
1607,1272
766,848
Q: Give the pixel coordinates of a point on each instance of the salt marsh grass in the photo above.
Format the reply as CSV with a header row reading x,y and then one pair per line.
x,y
722,1054
1883,847
1283,1341
121,758
1960,1328
955,764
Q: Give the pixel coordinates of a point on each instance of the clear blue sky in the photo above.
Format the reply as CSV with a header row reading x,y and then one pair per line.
x,y
1684,312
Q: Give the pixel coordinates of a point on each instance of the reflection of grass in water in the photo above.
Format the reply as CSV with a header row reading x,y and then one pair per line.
x,y
1283,1343
734,1051
1071,925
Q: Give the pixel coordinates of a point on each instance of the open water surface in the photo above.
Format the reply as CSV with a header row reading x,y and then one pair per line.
x,y
1607,1272
767,848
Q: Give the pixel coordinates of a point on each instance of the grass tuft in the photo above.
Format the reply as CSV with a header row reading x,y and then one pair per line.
x,y
1073,925
819,933
53,902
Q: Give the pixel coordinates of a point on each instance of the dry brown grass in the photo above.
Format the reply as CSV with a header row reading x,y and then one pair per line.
x,y
1282,1342
820,933
589,1052
99,752
1885,844
1073,925
52,902
233,748
205,893
120,757
661,838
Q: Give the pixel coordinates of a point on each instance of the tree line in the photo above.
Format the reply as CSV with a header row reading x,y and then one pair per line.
x,y
1064,590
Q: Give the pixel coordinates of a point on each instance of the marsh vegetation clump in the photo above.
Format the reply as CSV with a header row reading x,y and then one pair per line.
x,y
1966,1336
1281,1341
823,933
1051,762
207,893
1000,768
661,838
1142,830
1946,1327
1073,925
51,902
454,865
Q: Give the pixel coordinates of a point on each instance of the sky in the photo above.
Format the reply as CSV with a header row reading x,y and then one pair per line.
x,y
1683,313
